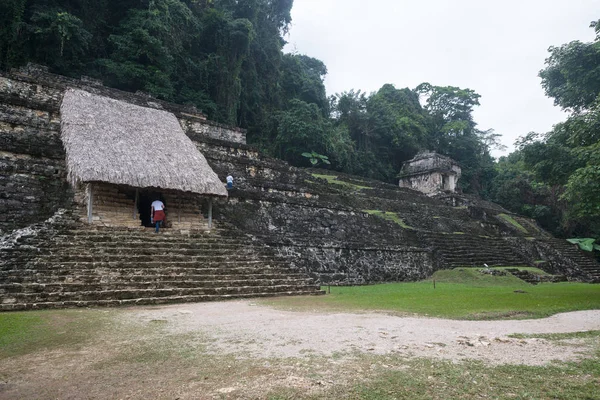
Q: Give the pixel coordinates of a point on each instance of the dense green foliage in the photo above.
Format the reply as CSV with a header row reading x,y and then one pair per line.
x,y
391,125
555,177
226,58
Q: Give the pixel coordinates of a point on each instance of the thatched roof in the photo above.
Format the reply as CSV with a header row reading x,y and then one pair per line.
x,y
112,141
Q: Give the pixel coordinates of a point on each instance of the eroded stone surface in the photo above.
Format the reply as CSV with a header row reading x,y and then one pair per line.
x,y
336,228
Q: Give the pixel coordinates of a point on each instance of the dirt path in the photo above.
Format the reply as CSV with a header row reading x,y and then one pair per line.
x,y
244,350
249,330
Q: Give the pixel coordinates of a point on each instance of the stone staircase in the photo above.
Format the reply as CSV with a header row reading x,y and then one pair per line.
x,y
526,276
84,267
463,250
586,263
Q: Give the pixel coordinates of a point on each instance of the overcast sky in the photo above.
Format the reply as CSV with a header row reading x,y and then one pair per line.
x,y
493,47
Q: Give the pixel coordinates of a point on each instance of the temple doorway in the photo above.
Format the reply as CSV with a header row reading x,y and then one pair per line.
x,y
144,206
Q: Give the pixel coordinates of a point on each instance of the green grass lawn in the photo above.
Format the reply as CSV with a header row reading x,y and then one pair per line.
x,y
145,351
462,293
24,332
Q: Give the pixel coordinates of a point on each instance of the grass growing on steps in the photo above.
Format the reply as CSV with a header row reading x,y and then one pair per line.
x,y
513,222
463,293
533,270
472,277
390,216
333,179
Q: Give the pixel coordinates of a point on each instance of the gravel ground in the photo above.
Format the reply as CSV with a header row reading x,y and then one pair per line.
x,y
247,329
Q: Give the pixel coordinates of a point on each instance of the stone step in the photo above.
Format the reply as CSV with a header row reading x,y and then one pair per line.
x,y
39,278
148,233
119,267
148,300
589,268
45,265
462,246
496,243
487,260
482,264
491,263
128,294
74,254
467,250
481,255
152,240
145,248
136,243
8,288
164,258
168,270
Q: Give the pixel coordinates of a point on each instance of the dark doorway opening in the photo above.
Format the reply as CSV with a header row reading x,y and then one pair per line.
x,y
144,207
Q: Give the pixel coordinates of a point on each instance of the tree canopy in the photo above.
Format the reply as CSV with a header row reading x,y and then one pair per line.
x,y
226,57
565,162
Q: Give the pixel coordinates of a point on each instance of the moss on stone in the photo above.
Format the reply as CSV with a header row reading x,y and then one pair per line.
x,y
533,270
333,179
513,222
390,216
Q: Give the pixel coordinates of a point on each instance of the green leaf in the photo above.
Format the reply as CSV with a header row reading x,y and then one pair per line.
x,y
586,244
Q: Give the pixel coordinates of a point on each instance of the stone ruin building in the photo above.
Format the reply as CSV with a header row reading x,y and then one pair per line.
x,y
430,173
80,162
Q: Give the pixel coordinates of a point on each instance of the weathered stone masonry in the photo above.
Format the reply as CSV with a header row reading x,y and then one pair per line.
x,y
321,228
327,232
115,206
33,181
63,261
32,168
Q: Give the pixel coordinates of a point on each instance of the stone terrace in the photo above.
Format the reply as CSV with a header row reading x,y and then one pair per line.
x,y
280,225
62,264
350,230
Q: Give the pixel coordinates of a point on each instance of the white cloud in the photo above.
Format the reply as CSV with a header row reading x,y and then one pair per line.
x,y
493,47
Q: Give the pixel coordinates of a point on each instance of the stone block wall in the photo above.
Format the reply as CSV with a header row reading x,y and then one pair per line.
x,y
33,183
194,126
334,246
112,206
115,206
324,228
33,175
347,265
185,211
426,183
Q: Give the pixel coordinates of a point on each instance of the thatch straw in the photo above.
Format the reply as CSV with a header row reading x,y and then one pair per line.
x,y
112,141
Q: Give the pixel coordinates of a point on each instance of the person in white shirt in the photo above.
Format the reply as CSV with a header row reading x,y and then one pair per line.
x,y
229,180
158,213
